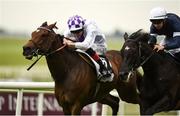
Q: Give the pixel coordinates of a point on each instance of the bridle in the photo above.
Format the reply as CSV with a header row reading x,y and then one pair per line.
x,y
141,59
52,52
47,54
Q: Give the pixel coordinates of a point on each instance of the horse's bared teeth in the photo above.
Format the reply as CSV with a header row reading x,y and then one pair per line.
x,y
29,57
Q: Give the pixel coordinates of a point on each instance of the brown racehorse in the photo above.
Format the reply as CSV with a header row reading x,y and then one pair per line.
x,y
76,83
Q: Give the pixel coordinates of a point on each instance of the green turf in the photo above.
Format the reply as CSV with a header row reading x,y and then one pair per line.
x,y
11,51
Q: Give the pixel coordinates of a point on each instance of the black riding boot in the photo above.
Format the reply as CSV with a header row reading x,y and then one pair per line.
x,y
103,70
105,74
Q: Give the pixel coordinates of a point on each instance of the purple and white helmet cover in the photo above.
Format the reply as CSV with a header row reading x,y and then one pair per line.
x,y
75,23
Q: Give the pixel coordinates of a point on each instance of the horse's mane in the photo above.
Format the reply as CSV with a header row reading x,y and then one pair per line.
x,y
140,35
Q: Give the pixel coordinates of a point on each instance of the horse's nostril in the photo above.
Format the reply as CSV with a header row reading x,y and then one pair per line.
x,y
123,75
26,49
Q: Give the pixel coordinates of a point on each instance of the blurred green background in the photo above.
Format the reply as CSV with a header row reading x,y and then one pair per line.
x,y
11,50
13,67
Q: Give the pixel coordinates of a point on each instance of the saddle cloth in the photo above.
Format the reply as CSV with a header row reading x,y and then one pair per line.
x,y
96,65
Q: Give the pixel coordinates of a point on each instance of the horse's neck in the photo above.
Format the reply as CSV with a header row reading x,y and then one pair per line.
x,y
61,61
153,62
157,67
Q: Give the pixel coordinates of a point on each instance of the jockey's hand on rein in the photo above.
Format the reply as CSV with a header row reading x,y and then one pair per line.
x,y
69,43
158,47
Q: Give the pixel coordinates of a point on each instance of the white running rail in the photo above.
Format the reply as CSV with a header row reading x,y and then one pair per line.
x,y
21,87
39,87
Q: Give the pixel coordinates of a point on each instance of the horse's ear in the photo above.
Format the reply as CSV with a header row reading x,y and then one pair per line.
x,y
44,24
144,37
53,26
125,36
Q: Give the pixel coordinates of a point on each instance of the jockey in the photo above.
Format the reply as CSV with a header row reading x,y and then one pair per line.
x,y
87,37
167,24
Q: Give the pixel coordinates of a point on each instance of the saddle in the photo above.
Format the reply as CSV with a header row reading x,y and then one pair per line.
x,y
94,64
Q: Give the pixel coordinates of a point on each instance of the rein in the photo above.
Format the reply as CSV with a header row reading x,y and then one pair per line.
x,y
86,60
56,50
147,58
34,62
46,56
140,57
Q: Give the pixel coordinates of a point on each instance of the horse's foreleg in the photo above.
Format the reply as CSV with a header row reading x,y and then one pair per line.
x,y
112,101
72,109
76,109
66,111
65,105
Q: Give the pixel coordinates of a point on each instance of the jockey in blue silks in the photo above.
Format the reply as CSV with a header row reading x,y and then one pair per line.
x,y
87,36
167,24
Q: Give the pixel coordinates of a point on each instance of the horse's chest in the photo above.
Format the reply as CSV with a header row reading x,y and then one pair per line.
x,y
154,89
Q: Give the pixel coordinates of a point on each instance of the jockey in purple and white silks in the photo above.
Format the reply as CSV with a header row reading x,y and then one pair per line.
x,y
87,36
167,24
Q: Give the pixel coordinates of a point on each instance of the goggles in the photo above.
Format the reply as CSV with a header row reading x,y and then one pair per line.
x,y
157,21
77,31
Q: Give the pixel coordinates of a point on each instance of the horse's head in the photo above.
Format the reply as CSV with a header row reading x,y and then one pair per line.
x,y
41,41
132,52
